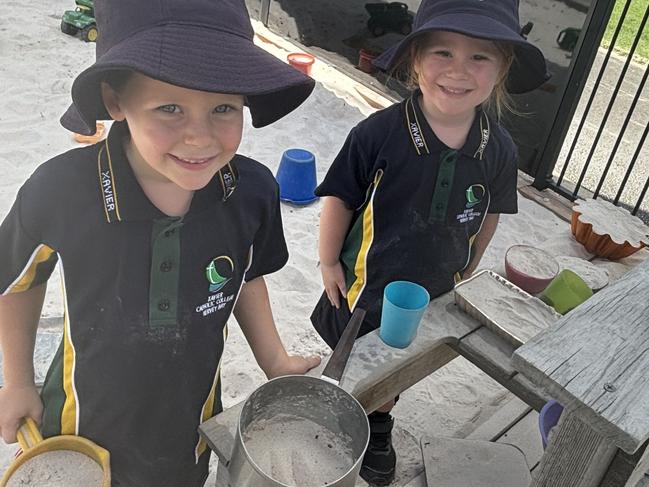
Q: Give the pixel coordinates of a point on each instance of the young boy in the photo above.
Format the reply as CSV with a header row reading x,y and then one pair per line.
x,y
161,232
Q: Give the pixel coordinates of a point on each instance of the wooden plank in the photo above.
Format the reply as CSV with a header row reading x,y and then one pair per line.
x,y
402,378
577,456
547,198
492,354
219,432
639,474
501,421
488,351
375,372
596,357
374,366
526,437
523,179
452,462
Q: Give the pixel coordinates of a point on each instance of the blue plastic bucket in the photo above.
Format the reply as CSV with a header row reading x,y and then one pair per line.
x,y
548,419
296,177
404,303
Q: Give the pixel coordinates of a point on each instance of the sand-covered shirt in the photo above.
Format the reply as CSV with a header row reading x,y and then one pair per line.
x,y
418,204
146,297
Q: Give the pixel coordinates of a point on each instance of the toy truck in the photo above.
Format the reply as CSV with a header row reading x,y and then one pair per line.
x,y
81,21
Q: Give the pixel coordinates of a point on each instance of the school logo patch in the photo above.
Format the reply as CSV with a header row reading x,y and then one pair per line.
x,y
219,272
474,195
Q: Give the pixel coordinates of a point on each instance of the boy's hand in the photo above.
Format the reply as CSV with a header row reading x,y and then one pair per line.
x,y
294,364
333,279
17,402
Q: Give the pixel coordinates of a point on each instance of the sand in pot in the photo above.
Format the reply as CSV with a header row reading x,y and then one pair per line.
x,y
532,262
296,451
61,468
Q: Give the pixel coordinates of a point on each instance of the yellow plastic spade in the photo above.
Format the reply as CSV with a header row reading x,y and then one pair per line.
x,y
32,443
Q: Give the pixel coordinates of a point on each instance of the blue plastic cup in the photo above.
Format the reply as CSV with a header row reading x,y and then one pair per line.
x,y
404,304
548,419
296,177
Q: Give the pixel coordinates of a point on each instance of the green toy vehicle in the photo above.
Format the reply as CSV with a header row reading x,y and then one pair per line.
x,y
392,16
81,20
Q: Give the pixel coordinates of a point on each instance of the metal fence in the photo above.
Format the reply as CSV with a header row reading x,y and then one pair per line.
x,y
604,150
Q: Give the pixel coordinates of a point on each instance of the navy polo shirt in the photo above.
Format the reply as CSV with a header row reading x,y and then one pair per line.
x,y
418,205
147,298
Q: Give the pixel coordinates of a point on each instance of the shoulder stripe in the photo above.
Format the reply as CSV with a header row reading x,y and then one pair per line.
x,y
107,185
25,279
485,133
414,127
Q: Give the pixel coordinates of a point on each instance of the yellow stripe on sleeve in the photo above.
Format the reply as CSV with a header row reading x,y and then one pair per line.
x,y
27,276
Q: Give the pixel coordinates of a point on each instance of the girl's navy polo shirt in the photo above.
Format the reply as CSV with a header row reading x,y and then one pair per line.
x,y
418,205
146,296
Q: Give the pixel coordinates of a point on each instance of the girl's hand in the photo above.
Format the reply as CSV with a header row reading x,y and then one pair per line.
x,y
16,403
333,279
294,364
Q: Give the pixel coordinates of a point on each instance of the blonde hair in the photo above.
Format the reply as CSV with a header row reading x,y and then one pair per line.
x,y
499,102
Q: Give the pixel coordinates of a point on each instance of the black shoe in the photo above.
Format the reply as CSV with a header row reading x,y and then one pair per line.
x,y
380,460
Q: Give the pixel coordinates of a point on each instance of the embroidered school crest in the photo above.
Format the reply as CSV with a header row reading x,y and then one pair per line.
x,y
219,272
474,195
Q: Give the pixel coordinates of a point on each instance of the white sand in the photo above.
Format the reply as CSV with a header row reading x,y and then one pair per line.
x,y
532,262
39,64
618,223
507,309
60,468
297,451
595,277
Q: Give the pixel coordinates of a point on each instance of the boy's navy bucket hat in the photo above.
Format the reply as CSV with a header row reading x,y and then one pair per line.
x,y
203,45
495,20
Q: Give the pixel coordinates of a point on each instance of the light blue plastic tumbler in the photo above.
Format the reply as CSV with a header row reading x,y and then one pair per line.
x,y
404,303
296,177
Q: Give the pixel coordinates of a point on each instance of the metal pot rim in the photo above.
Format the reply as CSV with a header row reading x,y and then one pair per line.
x,y
314,380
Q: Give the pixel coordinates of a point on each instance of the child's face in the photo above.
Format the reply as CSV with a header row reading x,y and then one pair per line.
x,y
457,73
178,135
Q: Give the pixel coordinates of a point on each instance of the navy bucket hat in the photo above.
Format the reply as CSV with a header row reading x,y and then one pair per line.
x,y
495,20
203,45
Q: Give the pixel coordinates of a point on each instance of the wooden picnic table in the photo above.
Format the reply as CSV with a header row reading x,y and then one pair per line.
x,y
376,373
595,362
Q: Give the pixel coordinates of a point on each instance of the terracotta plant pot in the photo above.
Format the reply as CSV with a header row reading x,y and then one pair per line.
x,y
365,59
598,239
301,61
527,281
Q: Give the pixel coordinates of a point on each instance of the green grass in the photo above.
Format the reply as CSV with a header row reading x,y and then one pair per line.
x,y
629,30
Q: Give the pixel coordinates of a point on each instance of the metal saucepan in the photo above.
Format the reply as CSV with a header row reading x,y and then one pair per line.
x,y
302,431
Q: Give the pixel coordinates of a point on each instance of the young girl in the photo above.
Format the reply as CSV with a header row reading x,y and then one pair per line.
x,y
416,191
161,232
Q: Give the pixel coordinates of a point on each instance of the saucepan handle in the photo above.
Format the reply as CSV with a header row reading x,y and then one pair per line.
x,y
28,434
333,372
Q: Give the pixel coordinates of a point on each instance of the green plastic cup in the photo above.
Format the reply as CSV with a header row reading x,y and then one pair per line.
x,y
566,291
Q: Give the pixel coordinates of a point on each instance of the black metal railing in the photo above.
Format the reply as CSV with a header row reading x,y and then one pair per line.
x,y
604,151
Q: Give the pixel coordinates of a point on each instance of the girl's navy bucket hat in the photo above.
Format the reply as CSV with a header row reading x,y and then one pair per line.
x,y
203,45
495,20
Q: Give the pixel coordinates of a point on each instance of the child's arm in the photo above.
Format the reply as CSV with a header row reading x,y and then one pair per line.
x,y
255,318
334,223
481,242
19,316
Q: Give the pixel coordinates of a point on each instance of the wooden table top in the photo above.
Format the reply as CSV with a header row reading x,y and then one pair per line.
x,y
595,360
